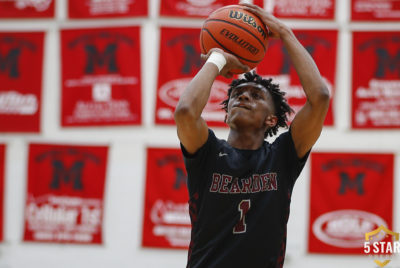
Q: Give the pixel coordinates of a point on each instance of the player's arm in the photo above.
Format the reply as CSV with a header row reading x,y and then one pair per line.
x,y
191,127
307,124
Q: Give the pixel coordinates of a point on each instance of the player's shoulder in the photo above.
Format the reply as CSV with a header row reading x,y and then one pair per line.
x,y
282,137
282,140
217,143
212,144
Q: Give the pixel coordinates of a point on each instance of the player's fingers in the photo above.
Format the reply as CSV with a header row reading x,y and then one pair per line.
x,y
256,12
251,7
248,5
241,66
245,68
272,34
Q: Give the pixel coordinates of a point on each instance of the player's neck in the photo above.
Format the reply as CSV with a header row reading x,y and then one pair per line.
x,y
248,140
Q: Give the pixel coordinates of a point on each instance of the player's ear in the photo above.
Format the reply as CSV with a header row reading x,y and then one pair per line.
x,y
271,120
226,118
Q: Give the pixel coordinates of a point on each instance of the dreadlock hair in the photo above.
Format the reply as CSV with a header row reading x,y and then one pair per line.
x,y
282,108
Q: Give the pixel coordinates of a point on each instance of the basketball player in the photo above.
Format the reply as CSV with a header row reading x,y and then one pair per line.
x,y
240,189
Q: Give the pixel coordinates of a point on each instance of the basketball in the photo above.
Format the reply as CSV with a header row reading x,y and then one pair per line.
x,y
236,31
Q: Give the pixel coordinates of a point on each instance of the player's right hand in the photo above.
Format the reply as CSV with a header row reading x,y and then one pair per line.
x,y
232,63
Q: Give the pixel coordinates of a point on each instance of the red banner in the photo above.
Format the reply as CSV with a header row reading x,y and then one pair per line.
x,y
376,80
322,45
351,194
27,9
179,63
259,3
375,10
101,77
106,8
65,193
21,63
192,8
2,164
166,222
302,9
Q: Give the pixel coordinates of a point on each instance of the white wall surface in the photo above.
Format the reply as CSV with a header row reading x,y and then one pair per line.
x,y
126,165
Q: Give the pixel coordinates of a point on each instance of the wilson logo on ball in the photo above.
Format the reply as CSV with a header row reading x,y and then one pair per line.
x,y
250,20
236,31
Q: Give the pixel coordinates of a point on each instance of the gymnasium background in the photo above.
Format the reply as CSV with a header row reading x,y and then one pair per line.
x,y
90,169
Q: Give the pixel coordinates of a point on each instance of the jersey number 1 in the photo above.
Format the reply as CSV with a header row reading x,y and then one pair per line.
x,y
243,208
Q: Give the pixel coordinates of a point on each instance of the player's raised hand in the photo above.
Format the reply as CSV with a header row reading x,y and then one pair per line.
x,y
232,62
275,26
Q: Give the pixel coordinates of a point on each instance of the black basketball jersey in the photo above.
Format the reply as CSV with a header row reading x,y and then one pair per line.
x,y
239,202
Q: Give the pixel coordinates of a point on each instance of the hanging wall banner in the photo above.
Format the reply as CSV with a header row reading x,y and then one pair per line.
x,y
2,164
322,45
376,80
27,9
192,8
21,64
64,201
259,3
106,8
166,221
302,9
373,10
101,77
351,194
179,62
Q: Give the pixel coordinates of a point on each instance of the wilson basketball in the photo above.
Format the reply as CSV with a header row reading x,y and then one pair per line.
x,y
236,31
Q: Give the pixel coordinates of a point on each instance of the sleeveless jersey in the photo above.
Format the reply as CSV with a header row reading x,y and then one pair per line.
x,y
239,202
